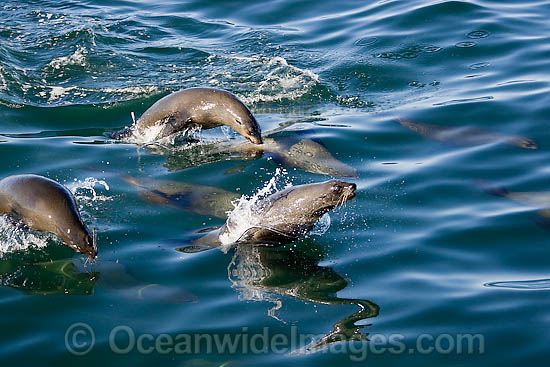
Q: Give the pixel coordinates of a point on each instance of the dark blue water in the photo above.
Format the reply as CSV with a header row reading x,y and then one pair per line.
x,y
437,261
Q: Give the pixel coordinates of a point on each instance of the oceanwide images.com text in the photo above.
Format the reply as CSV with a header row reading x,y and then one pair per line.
x,y
80,339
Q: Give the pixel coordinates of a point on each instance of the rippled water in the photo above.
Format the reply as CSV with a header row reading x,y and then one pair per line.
x,y
436,242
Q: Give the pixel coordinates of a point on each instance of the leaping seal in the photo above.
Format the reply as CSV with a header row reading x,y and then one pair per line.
x,y
45,205
284,216
204,107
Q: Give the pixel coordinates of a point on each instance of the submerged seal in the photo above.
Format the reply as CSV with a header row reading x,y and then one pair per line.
x,y
45,205
537,200
466,135
199,199
305,154
204,107
284,216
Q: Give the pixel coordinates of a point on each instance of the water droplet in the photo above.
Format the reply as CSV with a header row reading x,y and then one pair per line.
x,y
409,54
465,44
479,65
432,49
478,34
367,41
416,84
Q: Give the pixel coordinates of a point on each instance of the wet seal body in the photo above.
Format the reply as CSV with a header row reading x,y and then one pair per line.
x,y
286,215
45,205
466,135
204,107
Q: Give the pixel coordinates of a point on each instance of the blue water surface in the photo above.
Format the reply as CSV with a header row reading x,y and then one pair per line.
x,y
424,267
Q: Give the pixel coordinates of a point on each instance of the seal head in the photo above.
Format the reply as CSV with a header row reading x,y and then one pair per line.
x,y
45,205
290,213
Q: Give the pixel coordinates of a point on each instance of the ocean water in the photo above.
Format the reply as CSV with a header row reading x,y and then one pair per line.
x,y
424,267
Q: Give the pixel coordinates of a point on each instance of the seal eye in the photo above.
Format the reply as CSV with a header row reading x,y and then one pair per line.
x,y
336,188
238,121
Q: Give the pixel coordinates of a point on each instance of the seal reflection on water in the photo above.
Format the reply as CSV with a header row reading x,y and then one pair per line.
x,y
204,107
45,205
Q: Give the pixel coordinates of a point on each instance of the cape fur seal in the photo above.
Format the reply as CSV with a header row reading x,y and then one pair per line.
x,y
305,154
289,150
536,200
42,204
284,216
466,135
199,199
204,107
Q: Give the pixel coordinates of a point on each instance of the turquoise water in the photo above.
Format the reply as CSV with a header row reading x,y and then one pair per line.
x,y
422,250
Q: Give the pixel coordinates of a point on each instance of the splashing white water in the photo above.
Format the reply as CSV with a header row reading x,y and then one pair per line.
x,y
150,135
84,190
14,238
322,226
245,215
77,58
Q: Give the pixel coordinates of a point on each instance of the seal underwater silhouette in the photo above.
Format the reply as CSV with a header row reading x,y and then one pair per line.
x,y
198,199
42,204
466,135
204,107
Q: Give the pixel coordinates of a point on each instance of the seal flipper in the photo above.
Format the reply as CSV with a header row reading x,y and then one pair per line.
x,y
265,236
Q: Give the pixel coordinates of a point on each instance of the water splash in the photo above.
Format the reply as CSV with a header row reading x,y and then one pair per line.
x,y
78,58
150,136
322,226
84,190
14,238
247,208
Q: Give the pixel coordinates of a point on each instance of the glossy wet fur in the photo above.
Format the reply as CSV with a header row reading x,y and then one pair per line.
x,y
45,205
204,107
291,213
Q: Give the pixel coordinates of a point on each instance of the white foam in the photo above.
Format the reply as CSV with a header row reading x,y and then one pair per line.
x,y
151,135
3,83
78,58
280,80
14,239
57,92
84,190
245,214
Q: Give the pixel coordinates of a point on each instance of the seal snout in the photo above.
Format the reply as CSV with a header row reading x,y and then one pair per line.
x,y
349,191
342,191
255,139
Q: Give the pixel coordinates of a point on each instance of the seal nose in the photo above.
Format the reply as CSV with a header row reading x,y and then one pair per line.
x,y
255,139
